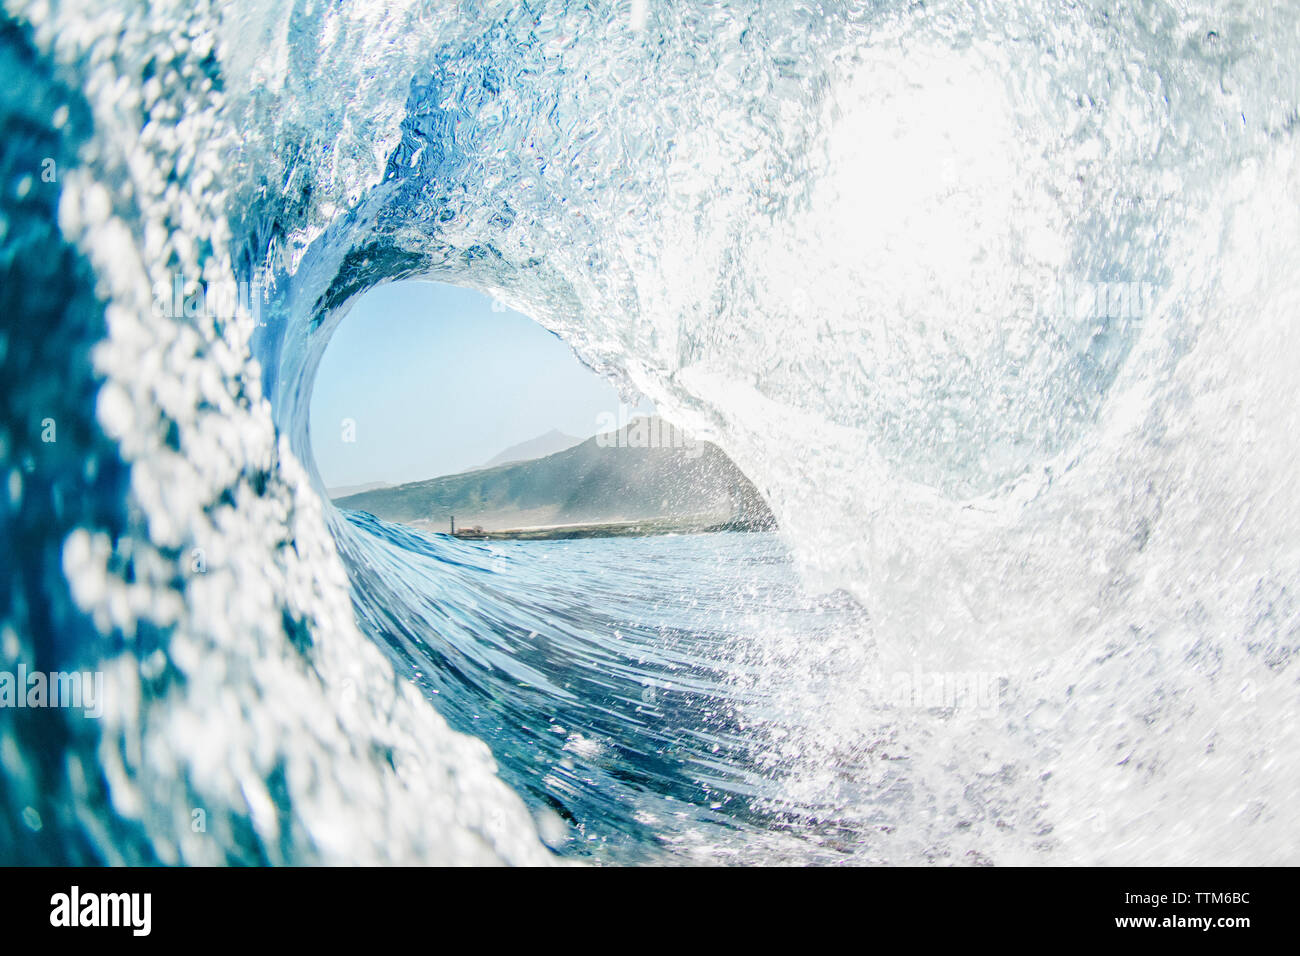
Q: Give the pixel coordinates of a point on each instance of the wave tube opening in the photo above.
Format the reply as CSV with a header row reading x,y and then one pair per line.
x,y
996,308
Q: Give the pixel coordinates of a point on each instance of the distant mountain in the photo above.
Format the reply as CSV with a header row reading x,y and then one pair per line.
x,y
649,469
539,447
344,490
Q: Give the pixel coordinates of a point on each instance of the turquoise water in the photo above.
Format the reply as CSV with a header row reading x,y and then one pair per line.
x,y
615,679
994,304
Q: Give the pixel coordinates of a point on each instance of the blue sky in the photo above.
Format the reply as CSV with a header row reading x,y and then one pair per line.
x,y
437,382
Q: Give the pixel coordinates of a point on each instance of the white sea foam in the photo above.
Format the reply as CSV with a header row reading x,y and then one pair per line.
x,y
819,237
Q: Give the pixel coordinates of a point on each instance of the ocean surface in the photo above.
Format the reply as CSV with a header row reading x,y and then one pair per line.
x,y
616,680
996,306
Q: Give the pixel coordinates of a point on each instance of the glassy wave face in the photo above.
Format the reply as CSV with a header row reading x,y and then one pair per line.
x,y
996,307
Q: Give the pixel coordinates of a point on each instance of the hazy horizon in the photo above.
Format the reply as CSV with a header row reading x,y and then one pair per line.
x,y
435,382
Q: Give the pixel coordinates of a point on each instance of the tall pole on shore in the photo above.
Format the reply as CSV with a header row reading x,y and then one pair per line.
x,y
453,524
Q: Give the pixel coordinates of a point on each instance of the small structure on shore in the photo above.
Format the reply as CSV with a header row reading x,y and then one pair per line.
x,y
476,531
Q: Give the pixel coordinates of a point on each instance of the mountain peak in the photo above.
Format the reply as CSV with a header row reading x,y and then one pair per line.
x,y
545,444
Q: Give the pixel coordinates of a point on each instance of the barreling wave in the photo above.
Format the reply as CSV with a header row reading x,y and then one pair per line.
x,y
994,305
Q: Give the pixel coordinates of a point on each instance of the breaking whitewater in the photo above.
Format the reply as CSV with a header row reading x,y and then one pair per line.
x,y
995,306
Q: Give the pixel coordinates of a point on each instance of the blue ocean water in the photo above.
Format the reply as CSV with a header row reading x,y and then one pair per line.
x,y
995,306
614,679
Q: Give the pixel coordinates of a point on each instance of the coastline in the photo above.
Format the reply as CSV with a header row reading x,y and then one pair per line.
x,y
606,529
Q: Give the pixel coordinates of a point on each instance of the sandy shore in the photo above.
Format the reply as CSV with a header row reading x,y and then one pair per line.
x,y
608,529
